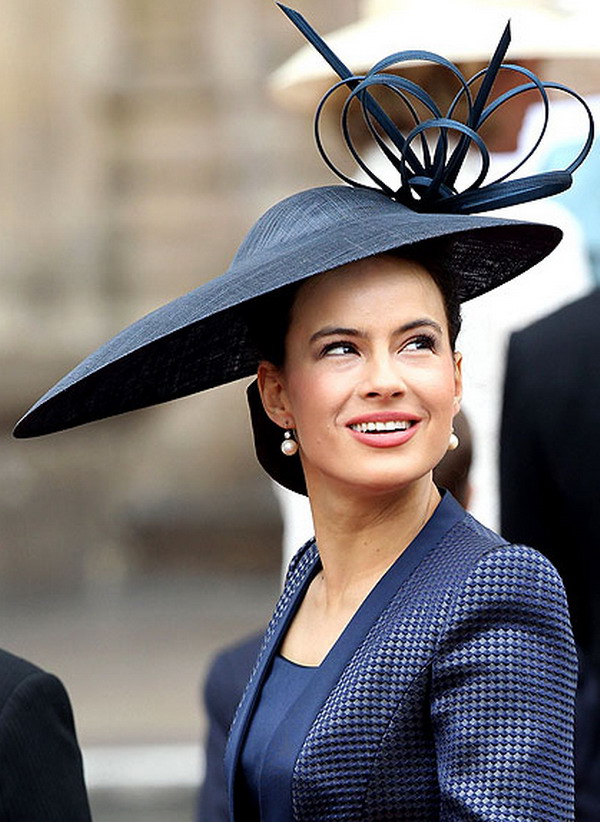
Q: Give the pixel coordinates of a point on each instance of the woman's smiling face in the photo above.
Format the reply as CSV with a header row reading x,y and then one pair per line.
x,y
370,381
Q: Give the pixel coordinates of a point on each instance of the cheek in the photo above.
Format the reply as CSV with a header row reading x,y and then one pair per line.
x,y
438,390
315,400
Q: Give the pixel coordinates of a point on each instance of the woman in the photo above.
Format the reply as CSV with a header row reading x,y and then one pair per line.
x,y
411,649
417,667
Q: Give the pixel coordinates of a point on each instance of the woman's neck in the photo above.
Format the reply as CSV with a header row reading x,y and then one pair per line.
x,y
360,538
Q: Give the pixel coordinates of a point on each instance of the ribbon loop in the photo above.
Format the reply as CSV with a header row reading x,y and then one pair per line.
x,y
428,179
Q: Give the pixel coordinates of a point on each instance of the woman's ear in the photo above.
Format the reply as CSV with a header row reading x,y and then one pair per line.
x,y
458,381
273,394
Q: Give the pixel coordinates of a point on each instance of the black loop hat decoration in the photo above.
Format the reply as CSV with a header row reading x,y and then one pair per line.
x,y
429,184
202,339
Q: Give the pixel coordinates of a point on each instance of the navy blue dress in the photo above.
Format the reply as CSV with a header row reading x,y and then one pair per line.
x,y
265,775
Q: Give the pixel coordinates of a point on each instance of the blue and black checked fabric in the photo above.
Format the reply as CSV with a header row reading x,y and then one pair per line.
x,y
458,704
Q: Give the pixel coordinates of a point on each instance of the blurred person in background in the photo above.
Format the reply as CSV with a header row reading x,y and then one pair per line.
x,y
550,458
41,772
416,661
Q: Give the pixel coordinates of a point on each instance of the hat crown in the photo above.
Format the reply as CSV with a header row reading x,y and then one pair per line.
x,y
301,217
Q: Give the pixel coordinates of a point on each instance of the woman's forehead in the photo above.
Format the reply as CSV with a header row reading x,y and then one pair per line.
x,y
388,281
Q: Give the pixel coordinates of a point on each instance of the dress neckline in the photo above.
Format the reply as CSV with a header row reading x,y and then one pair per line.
x,y
290,663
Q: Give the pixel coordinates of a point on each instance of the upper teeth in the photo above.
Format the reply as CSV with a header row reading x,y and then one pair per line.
x,y
392,425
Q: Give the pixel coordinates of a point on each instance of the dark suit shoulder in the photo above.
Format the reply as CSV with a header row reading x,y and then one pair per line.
x,y
245,652
38,747
13,671
552,366
227,676
581,316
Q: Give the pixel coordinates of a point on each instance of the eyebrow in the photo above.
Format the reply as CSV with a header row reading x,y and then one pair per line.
x,y
338,331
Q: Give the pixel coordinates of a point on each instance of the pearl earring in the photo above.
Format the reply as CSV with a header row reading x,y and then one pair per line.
x,y
289,446
453,441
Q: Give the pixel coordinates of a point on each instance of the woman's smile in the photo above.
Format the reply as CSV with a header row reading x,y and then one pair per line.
x,y
384,430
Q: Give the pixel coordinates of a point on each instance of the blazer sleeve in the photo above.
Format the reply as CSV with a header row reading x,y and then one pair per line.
x,y
41,772
503,687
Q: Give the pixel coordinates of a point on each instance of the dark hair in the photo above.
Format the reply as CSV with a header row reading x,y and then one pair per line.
x,y
452,472
428,255
268,317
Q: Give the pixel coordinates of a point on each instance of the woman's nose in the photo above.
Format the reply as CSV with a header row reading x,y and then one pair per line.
x,y
383,378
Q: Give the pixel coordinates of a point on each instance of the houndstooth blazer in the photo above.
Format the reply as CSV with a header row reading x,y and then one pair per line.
x,y
448,698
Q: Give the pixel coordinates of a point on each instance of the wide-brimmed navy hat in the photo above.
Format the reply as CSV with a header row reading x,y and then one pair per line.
x,y
202,339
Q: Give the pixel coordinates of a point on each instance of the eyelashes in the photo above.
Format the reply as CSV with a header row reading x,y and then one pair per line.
x,y
340,348
422,342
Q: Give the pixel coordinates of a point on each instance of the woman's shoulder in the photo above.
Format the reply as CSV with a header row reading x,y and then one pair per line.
x,y
486,545
494,569
472,563
499,547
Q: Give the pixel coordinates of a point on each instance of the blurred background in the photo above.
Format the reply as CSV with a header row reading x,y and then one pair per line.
x,y
138,144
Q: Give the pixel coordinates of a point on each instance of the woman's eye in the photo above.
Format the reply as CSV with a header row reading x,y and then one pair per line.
x,y
424,342
338,349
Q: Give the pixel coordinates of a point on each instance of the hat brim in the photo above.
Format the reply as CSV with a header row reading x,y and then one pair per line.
x,y
201,340
463,31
